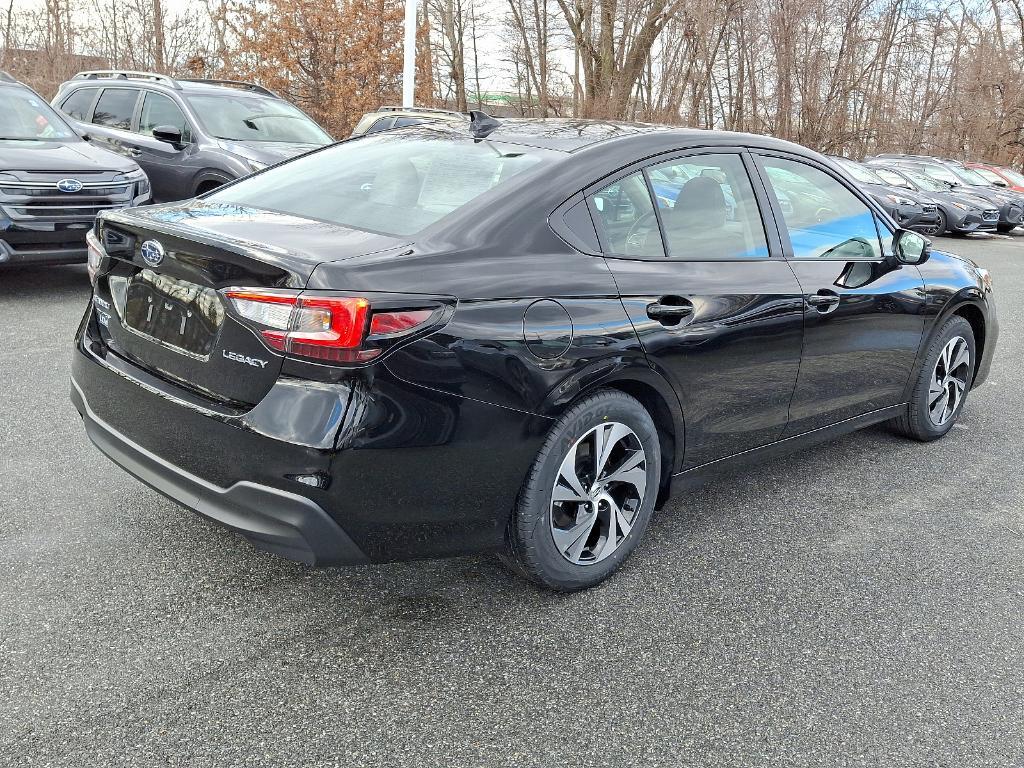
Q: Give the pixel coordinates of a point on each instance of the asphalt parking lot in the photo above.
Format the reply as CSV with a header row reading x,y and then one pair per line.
x,y
856,604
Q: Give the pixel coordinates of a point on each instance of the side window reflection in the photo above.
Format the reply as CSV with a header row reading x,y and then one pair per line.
x,y
708,209
825,220
625,218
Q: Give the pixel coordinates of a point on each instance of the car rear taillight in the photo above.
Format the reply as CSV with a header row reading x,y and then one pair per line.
x,y
345,329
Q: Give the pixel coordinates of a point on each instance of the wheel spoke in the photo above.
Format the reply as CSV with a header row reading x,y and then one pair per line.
x,y
632,461
624,525
568,486
955,390
962,356
637,477
612,541
935,391
606,437
572,541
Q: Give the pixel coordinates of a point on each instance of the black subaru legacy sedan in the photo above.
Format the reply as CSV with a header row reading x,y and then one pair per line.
x,y
517,337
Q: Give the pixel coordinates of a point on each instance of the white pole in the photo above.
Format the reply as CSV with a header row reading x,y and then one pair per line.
x,y
409,68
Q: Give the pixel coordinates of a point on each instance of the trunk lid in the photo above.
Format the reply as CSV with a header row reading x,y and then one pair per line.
x,y
161,306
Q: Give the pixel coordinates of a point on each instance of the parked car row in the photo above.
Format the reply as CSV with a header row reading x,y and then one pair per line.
x,y
119,138
936,196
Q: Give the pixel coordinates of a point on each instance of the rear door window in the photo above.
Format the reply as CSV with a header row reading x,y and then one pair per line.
x,y
708,209
78,104
625,219
383,124
116,108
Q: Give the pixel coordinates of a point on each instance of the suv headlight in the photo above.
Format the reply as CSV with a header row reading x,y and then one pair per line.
x,y
141,181
142,187
255,165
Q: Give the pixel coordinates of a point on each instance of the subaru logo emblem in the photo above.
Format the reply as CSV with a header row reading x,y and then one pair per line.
x,y
69,185
152,253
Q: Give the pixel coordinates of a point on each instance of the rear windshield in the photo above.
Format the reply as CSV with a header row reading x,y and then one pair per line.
x,y
392,183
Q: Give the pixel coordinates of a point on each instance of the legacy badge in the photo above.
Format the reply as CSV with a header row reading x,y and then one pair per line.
x,y
253,361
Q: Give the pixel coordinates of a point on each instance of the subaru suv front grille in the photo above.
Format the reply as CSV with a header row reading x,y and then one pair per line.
x,y
38,200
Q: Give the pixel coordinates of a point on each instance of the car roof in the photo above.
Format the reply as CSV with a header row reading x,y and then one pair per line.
x,y
572,135
165,84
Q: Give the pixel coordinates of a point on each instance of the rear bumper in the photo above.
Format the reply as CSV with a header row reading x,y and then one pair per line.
x,y
273,520
401,471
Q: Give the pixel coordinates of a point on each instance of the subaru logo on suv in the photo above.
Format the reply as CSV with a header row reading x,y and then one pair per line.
x,y
152,253
69,185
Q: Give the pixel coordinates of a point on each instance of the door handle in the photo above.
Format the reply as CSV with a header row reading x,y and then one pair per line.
x,y
824,301
669,310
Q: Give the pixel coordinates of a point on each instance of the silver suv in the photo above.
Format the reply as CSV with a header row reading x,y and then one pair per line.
x,y
189,136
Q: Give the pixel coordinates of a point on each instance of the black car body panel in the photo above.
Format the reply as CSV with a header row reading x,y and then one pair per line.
x,y
422,450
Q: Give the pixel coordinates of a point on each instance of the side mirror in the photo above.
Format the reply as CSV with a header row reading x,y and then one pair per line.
x,y
910,248
167,133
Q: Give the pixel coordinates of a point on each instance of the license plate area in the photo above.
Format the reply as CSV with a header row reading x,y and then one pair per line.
x,y
173,313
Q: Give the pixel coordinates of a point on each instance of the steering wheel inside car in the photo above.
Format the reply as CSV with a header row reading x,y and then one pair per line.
x,y
636,243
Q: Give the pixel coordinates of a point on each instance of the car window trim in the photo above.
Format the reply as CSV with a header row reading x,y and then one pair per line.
x,y
775,245
878,213
556,222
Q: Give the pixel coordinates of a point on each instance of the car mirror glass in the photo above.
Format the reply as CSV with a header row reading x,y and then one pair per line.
x,y
910,247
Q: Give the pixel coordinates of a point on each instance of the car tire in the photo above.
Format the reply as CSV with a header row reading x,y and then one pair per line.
x,y
564,542
1005,228
942,385
941,226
